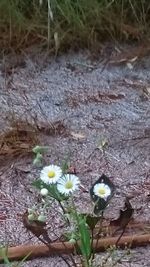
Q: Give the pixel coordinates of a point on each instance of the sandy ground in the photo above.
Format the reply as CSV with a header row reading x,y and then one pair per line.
x,y
76,103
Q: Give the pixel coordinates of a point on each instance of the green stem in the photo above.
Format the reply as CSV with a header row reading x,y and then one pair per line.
x,y
100,230
92,252
62,207
64,211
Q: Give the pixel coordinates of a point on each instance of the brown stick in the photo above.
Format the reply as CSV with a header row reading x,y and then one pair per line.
x,y
19,252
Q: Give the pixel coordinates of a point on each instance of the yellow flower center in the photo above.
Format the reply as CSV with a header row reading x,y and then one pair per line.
x,y
102,191
69,185
51,174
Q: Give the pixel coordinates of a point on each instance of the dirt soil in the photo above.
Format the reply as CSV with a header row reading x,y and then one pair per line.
x,y
72,105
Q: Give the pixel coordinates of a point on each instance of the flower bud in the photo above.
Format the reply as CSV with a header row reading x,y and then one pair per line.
x,y
31,217
44,192
41,218
30,211
72,241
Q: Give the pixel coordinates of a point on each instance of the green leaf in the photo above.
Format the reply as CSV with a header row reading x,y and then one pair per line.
x,y
52,189
38,184
65,166
85,239
91,220
38,160
3,254
23,260
40,149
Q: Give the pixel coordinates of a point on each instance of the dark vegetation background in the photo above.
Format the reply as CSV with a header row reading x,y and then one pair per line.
x,y
61,24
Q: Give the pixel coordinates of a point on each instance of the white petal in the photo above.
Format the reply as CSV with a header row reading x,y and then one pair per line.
x,y
44,174
104,187
61,186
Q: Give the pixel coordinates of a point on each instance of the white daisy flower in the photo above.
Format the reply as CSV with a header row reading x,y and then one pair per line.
x,y
68,183
102,190
44,192
50,174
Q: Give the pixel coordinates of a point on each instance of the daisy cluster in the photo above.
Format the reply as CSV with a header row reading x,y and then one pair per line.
x,y
58,185
66,183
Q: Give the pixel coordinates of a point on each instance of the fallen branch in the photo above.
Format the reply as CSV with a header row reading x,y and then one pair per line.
x,y
19,252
